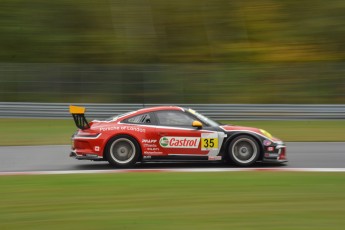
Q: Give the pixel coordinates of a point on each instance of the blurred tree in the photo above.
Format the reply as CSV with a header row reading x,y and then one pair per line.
x,y
176,51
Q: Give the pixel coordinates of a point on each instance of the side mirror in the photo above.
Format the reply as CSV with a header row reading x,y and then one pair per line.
x,y
197,124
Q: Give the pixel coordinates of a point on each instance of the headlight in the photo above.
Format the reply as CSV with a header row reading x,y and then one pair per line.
x,y
266,134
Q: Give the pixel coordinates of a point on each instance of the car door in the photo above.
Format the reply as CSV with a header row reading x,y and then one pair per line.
x,y
177,136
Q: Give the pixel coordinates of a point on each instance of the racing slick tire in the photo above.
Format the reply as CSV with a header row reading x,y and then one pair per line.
x,y
244,150
122,151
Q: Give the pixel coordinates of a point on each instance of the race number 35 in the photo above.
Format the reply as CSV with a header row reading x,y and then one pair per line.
x,y
209,141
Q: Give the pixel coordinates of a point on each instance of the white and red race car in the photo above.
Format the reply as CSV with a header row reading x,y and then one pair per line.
x,y
170,133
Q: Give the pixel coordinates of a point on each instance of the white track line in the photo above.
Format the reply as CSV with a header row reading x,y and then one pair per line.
x,y
175,170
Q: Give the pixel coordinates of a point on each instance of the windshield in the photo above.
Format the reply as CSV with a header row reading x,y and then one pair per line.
x,y
203,118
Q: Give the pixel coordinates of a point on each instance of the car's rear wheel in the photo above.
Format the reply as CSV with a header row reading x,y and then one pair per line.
x,y
122,151
244,150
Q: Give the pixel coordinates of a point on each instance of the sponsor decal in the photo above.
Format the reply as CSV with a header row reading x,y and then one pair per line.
x,y
109,128
271,155
209,141
150,145
123,128
148,141
214,158
164,141
153,153
153,149
267,143
96,148
180,142
270,149
131,128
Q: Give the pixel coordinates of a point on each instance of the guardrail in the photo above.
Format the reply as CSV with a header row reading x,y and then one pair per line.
x,y
215,111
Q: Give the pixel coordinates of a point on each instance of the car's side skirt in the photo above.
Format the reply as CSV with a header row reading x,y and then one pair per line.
x,y
178,157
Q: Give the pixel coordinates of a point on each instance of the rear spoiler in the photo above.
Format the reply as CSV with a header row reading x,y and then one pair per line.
x,y
78,114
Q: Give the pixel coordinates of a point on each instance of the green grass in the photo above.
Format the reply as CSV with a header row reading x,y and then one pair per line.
x,y
50,131
36,131
303,130
228,200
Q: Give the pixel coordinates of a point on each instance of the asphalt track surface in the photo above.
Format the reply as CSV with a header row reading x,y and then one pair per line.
x,y
56,158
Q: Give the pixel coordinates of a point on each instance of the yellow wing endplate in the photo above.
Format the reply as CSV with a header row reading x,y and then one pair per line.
x,y
76,109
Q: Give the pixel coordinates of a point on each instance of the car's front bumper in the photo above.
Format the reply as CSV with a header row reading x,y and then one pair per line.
x,y
275,153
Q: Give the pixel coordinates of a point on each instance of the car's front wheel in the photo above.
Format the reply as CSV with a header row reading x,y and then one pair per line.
x,y
122,151
244,150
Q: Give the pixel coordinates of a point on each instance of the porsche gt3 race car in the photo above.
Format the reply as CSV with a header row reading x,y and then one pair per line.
x,y
170,133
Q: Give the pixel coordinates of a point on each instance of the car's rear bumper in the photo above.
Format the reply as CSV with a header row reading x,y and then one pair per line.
x,y
86,156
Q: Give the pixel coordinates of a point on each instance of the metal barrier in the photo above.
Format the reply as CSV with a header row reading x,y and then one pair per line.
x,y
215,111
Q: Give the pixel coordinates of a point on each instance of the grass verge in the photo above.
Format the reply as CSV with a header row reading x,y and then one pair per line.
x,y
303,130
235,200
50,131
36,131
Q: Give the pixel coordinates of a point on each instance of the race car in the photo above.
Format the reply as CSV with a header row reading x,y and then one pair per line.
x,y
170,133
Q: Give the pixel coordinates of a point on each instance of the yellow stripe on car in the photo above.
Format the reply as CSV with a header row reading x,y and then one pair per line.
x,y
265,133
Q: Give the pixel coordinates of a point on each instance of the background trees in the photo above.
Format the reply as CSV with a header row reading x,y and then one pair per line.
x,y
253,51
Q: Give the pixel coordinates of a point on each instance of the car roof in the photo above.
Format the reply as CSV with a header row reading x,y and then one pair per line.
x,y
149,110
159,108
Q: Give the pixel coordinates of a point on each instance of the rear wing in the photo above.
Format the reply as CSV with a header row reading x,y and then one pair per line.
x,y
78,114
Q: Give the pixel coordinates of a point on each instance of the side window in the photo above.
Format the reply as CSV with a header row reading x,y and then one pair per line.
x,y
140,119
174,118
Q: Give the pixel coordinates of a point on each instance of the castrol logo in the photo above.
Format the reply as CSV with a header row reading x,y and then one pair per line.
x,y
180,142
